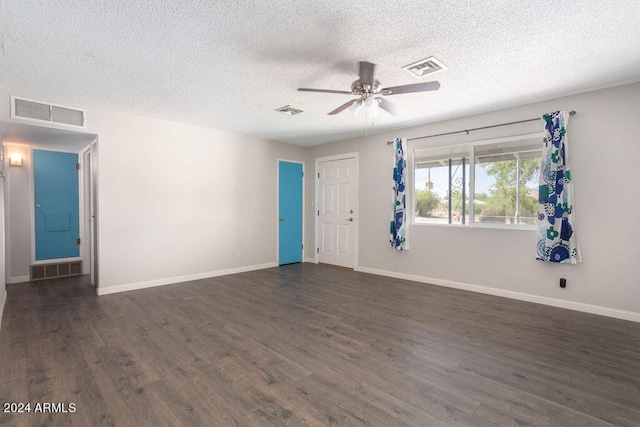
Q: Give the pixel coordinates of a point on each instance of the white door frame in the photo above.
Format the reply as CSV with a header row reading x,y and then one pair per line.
x,y
84,158
3,251
88,160
356,157
94,215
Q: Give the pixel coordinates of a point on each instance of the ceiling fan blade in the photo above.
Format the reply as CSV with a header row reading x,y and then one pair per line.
x,y
304,89
416,87
366,72
388,106
342,107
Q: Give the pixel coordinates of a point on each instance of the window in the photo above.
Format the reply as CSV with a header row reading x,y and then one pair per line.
x,y
442,185
485,182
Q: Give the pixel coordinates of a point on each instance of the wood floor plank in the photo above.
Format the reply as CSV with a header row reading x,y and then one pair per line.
x,y
122,395
505,416
310,345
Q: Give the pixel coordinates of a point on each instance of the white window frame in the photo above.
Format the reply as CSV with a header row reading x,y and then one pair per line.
x,y
471,181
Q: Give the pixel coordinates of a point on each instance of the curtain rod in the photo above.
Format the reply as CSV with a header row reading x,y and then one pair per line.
x,y
571,113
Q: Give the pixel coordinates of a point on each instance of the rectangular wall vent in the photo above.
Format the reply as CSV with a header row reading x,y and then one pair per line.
x,y
289,110
55,270
425,67
67,116
43,112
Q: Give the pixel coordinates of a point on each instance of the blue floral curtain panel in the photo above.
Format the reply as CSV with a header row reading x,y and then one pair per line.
x,y
555,204
398,229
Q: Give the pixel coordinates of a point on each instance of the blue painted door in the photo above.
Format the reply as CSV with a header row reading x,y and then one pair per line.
x,y
55,179
289,212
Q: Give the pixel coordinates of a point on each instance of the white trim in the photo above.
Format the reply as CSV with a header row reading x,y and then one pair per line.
x,y
6,182
278,160
105,290
472,185
84,200
2,304
311,260
554,302
521,227
337,157
409,194
18,279
93,182
356,156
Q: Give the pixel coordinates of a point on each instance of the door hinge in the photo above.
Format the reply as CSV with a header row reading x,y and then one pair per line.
x,y
318,213
78,166
77,241
303,174
318,174
303,246
317,250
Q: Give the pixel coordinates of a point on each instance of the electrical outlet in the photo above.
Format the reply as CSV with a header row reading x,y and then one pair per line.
x,y
237,253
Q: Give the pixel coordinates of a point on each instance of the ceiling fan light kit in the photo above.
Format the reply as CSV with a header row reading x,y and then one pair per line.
x,y
371,93
356,106
371,104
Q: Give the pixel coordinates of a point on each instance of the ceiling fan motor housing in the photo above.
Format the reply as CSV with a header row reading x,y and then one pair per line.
x,y
364,90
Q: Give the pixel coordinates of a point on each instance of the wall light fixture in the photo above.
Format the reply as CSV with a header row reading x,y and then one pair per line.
x,y
15,159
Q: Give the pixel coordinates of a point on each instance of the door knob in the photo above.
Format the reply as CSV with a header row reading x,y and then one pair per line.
x,y
38,206
281,219
349,219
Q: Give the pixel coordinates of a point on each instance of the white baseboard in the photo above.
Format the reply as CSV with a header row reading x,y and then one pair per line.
x,y
18,279
172,280
2,303
554,302
311,260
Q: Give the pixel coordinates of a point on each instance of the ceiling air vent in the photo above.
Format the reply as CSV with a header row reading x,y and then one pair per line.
x,y
289,110
43,112
425,67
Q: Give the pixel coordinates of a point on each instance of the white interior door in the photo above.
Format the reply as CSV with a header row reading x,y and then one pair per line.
x,y
337,219
86,212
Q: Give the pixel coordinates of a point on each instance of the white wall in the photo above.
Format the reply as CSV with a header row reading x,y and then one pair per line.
x,y
175,202
18,210
3,288
604,140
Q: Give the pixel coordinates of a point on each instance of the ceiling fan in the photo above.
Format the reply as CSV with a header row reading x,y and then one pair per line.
x,y
370,91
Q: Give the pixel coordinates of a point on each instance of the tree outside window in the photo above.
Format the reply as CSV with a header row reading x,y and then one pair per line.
x,y
506,183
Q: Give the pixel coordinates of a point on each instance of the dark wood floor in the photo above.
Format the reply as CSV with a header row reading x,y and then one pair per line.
x,y
311,345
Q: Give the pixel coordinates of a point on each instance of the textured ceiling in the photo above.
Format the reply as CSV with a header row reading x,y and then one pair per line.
x,y
229,64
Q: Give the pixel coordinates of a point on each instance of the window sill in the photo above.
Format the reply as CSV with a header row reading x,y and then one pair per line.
x,y
478,225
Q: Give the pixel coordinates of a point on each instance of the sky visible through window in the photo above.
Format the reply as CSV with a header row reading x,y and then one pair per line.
x,y
439,178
